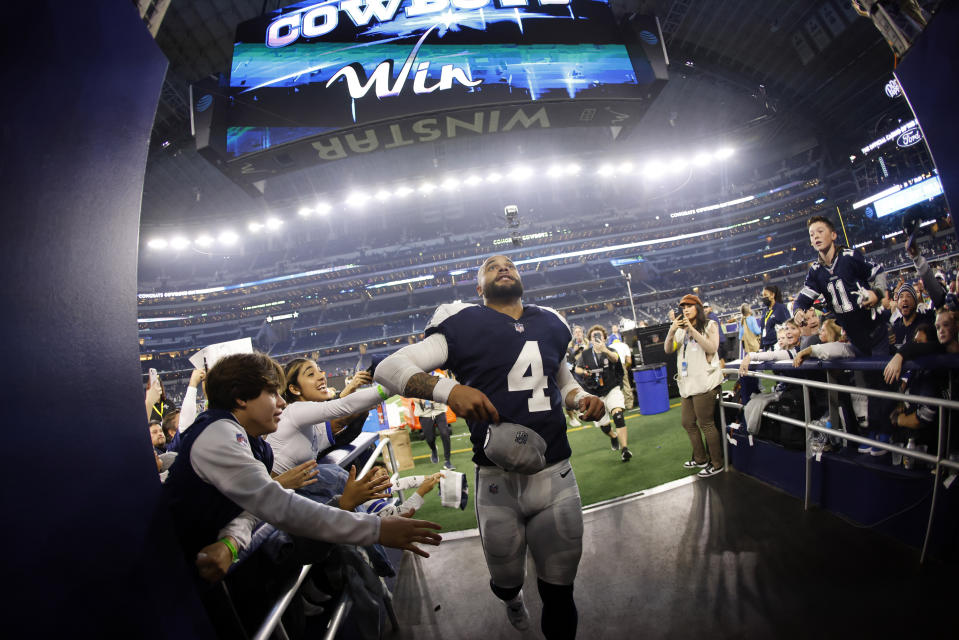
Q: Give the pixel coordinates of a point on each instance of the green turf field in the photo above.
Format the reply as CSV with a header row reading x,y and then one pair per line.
x,y
658,443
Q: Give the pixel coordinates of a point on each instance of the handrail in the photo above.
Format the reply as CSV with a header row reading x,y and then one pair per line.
x,y
843,388
276,612
938,460
272,619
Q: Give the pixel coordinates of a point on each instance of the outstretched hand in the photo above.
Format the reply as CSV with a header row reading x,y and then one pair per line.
x,y
369,487
361,379
196,377
472,404
404,533
154,392
429,483
298,476
893,369
591,408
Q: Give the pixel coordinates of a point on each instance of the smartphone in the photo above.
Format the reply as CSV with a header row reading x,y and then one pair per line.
x,y
154,377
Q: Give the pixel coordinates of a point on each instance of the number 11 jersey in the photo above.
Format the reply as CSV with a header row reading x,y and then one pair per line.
x,y
514,362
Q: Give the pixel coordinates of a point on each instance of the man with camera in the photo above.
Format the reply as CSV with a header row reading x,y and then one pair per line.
x,y
601,373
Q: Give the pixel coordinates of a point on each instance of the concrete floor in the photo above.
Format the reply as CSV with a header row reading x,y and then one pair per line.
x,y
723,557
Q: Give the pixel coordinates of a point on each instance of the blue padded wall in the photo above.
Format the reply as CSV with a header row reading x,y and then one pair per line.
x,y
88,552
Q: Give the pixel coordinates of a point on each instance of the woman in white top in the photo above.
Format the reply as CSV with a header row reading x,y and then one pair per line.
x,y
695,339
312,419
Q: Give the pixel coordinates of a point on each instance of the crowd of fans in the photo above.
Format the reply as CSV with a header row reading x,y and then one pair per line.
x,y
847,307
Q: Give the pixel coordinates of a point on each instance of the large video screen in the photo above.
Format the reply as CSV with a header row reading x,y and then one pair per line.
x,y
922,191
316,67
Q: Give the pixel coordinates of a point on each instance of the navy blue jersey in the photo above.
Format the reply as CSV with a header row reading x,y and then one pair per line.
x,y
905,333
838,283
514,362
774,315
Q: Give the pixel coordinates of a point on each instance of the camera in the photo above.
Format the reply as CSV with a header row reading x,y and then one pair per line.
x,y
511,211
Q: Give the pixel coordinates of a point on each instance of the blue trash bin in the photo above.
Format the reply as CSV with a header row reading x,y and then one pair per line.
x,y
652,392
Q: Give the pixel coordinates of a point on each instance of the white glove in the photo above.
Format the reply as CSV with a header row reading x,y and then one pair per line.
x,y
862,297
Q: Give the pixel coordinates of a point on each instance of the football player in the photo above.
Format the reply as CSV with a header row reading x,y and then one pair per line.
x,y
509,361
602,374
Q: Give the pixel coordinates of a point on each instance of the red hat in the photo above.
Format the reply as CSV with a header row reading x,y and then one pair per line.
x,y
690,299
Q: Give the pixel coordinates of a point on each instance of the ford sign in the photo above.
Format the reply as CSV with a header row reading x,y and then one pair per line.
x,y
909,138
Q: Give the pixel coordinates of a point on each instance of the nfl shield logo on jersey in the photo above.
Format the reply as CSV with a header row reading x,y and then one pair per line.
x,y
493,488
519,327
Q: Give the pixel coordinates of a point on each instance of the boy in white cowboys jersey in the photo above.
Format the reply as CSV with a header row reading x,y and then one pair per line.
x,y
509,360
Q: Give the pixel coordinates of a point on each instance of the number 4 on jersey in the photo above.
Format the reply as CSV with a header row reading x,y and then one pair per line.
x,y
530,360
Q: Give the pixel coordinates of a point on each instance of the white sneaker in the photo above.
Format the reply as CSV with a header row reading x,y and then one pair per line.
x,y
573,422
517,613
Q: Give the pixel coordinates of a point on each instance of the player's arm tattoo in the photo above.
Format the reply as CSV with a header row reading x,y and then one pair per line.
x,y
420,385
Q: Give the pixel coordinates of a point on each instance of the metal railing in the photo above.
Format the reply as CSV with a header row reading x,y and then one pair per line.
x,y
938,459
272,624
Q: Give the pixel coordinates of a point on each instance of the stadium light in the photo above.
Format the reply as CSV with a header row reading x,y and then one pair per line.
x,y
653,170
625,167
273,224
572,169
179,243
427,188
158,243
701,159
394,283
403,191
322,208
677,165
724,153
494,177
356,199
382,195
473,180
450,183
605,170
228,238
255,226
204,240
555,171
520,173
305,212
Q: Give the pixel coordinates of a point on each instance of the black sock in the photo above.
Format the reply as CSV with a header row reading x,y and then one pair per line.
x,y
559,611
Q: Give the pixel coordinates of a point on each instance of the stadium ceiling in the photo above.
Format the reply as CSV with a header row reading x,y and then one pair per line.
x,y
786,74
